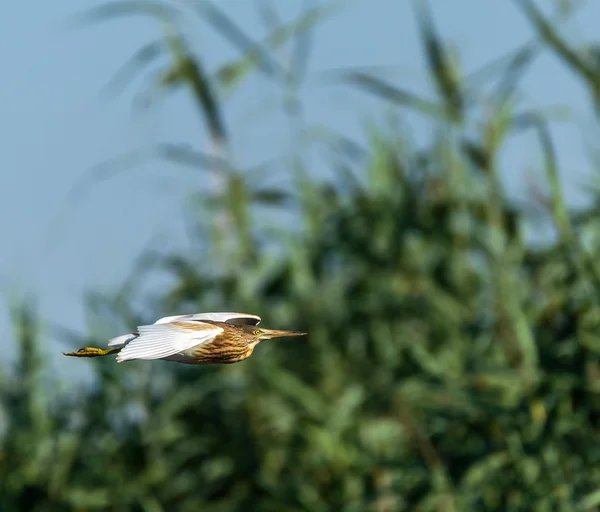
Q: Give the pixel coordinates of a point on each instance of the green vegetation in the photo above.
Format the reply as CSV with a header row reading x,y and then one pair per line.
x,y
450,364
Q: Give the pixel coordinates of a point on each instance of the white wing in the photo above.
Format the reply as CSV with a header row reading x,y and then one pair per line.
x,y
158,341
231,318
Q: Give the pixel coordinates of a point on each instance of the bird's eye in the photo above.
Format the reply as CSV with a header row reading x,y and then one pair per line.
x,y
257,332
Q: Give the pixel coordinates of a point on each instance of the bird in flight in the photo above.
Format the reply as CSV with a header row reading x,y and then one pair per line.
x,y
202,338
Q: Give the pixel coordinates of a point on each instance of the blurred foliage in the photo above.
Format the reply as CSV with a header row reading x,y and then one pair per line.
x,y
451,363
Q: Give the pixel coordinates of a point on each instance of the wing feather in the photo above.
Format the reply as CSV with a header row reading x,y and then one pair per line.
x,y
231,318
158,341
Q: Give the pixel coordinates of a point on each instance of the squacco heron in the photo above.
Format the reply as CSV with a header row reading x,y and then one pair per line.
x,y
203,338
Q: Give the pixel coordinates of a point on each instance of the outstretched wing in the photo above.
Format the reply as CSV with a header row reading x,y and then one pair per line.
x,y
158,341
230,318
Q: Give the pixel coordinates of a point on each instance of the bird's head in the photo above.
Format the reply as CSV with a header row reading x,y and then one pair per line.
x,y
267,334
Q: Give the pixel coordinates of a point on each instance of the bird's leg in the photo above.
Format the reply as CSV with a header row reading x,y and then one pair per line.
x,y
93,352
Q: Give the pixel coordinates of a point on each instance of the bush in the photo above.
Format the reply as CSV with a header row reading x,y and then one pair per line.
x,y
451,364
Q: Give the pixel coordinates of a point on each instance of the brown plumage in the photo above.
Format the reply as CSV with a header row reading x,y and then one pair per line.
x,y
234,344
191,339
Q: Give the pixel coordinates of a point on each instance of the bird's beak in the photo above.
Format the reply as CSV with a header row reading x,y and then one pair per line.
x,y
267,334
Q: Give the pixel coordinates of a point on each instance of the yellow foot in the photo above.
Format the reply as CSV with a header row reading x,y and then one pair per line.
x,y
92,352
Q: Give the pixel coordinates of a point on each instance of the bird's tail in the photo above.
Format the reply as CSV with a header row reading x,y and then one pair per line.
x,y
93,352
121,341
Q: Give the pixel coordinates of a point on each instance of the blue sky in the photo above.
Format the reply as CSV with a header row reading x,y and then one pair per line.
x,y
55,125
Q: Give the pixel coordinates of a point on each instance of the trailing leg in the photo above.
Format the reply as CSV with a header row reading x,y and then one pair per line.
x,y
93,352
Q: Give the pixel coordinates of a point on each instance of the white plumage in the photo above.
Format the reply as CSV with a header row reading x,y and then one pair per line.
x,y
173,335
230,318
